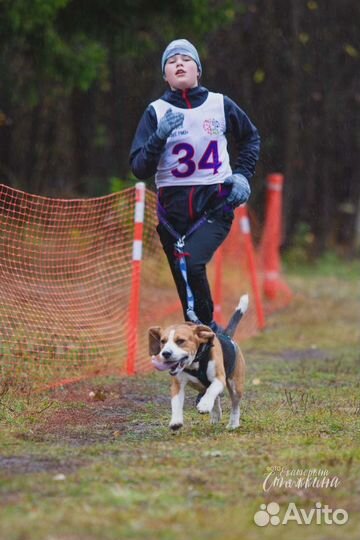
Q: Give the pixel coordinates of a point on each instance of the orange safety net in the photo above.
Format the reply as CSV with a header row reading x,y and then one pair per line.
x,y
65,282
66,271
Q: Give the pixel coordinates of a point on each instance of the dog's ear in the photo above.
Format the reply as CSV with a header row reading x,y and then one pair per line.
x,y
154,340
204,333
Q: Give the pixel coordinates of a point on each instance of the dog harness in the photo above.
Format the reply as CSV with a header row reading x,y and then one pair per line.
x,y
203,356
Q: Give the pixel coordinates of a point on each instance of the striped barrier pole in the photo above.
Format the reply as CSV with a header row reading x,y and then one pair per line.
x,y
250,253
135,279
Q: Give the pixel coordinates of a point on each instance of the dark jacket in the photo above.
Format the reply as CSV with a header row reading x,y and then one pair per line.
x,y
188,202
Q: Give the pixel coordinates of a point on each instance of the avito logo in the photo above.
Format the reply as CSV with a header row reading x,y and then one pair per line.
x,y
268,514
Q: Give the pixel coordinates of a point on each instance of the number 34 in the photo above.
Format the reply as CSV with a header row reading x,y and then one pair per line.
x,y
209,160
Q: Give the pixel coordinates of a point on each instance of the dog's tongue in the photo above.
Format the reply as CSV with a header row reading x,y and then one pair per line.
x,y
160,365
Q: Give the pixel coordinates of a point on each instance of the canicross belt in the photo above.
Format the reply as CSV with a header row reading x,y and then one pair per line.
x,y
179,248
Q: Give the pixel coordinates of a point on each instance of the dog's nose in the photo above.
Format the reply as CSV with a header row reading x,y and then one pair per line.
x,y
166,354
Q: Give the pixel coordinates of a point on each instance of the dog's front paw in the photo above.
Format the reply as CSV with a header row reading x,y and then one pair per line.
x,y
204,406
175,427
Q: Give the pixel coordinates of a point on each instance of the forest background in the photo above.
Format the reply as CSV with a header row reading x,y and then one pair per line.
x,y
76,76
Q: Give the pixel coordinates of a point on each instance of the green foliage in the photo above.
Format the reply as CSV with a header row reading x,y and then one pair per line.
x,y
118,184
327,265
66,43
25,17
50,56
75,64
206,16
299,253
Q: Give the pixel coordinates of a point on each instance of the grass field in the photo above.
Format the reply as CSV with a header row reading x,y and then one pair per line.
x,y
75,466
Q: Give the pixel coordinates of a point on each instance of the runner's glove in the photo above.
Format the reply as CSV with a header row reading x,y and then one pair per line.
x,y
240,191
168,123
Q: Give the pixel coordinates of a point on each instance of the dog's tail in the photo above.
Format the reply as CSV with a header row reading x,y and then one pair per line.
x,y
237,315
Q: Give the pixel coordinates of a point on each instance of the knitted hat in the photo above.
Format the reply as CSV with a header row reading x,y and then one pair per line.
x,y
180,46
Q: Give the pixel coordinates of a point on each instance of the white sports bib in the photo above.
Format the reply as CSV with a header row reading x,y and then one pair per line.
x,y
196,153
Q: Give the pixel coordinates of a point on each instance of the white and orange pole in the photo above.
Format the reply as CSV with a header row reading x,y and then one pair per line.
x,y
134,304
250,254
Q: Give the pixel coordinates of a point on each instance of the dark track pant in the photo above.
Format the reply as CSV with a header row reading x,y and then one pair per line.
x,y
200,246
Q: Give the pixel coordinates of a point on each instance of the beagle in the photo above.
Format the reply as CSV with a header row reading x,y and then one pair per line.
x,y
194,354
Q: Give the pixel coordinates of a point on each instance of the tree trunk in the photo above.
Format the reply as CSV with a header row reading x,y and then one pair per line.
x,y
292,127
81,116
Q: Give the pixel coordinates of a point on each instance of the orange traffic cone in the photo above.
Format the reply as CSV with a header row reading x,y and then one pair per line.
x,y
272,235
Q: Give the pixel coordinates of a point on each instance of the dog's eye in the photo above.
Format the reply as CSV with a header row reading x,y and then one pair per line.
x,y
163,341
180,341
